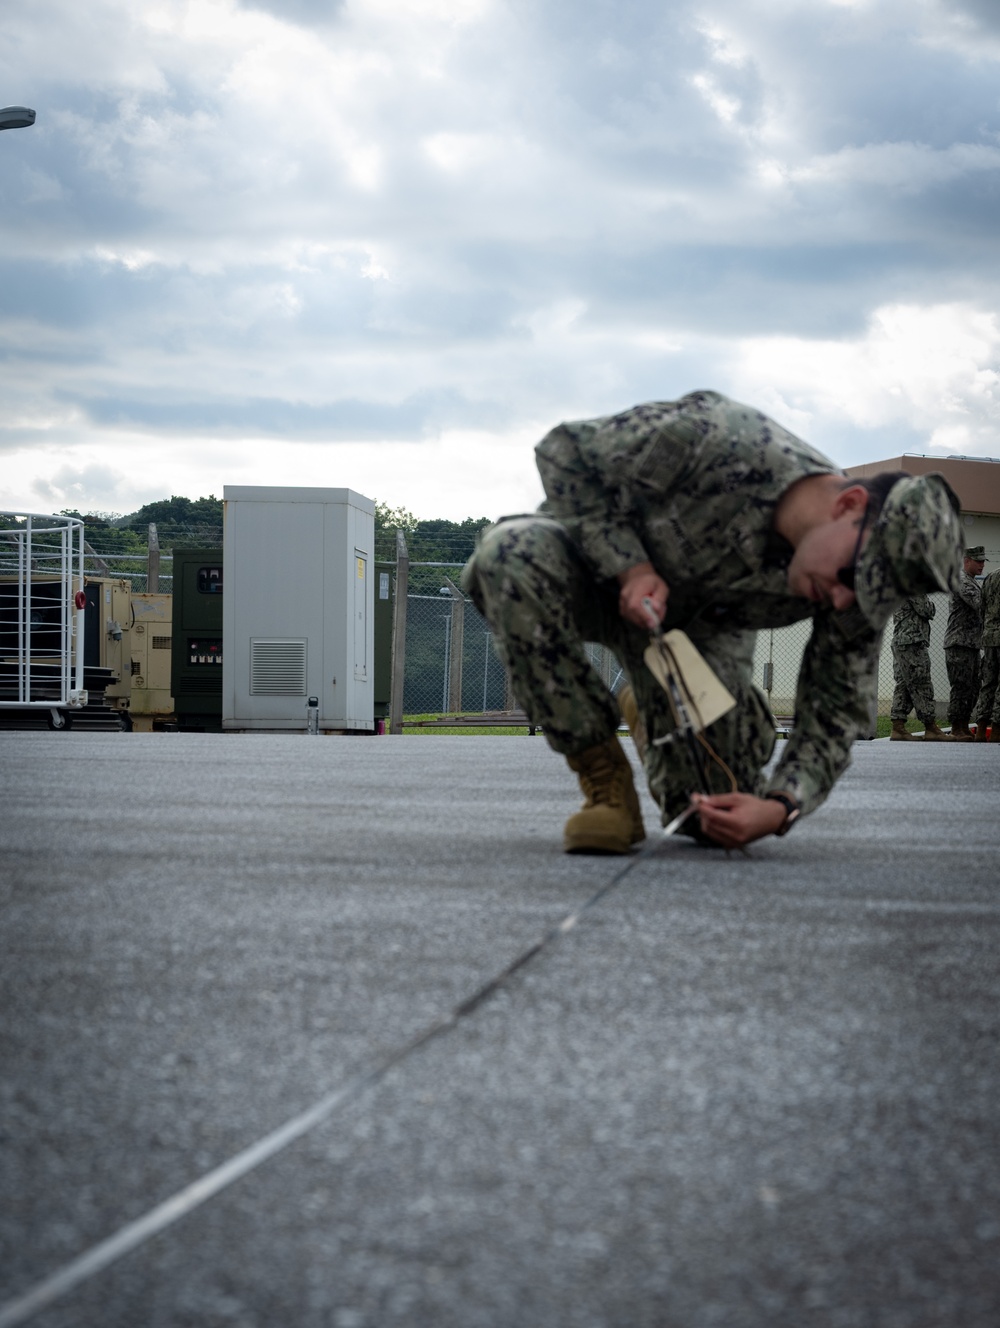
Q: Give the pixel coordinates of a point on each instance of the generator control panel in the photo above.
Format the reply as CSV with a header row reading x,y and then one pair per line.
x,y
196,666
204,650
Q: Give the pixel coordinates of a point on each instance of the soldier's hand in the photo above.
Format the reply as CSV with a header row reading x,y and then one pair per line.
x,y
639,583
735,819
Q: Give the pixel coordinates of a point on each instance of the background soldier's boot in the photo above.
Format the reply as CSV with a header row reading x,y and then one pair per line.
x,y
631,716
933,734
962,733
610,820
981,733
900,733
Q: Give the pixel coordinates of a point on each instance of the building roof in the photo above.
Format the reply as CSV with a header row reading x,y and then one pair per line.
x,y
976,480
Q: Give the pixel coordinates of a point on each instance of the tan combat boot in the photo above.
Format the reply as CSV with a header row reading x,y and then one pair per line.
x,y
933,734
900,733
610,820
962,733
981,733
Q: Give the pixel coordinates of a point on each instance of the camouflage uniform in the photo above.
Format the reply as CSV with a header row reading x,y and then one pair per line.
x,y
988,705
962,641
911,661
691,486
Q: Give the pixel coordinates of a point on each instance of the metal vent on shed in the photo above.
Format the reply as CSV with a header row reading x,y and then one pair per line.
x,y
277,668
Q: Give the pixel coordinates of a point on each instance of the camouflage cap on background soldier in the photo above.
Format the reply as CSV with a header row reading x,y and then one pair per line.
x,y
977,553
915,547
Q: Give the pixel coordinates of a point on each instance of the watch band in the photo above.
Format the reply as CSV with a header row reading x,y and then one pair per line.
x,y
792,809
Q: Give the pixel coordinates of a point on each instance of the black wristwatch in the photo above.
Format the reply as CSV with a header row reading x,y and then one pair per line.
x,y
794,811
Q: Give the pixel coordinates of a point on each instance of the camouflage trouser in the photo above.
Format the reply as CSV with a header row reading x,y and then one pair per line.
x,y
542,601
988,705
911,669
963,675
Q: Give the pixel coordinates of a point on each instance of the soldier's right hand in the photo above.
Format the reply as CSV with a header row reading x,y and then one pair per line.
x,y
639,583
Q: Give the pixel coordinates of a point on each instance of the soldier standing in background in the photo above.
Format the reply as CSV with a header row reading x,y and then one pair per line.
x,y
716,520
911,670
988,705
962,642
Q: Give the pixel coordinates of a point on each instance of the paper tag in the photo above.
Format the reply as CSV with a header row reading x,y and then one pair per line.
x,y
710,697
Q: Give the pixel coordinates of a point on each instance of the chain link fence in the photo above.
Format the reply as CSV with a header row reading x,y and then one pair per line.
x,y
115,566
782,650
452,666
450,657
133,568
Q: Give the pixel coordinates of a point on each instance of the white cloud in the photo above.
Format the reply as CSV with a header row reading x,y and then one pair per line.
x,y
40,187
933,372
458,474
725,107
69,485
410,235
908,167
970,29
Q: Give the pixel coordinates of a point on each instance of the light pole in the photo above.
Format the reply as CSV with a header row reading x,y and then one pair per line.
x,y
16,117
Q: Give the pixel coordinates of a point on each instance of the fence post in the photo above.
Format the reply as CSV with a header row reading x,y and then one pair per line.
x,y
457,643
399,634
509,699
153,561
102,568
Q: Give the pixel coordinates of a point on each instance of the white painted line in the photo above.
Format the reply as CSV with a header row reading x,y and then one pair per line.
x,y
135,1233
165,1214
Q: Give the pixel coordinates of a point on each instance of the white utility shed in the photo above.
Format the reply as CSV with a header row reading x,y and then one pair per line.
x,y
298,608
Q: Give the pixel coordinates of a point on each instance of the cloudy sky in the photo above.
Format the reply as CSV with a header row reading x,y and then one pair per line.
x,y
387,244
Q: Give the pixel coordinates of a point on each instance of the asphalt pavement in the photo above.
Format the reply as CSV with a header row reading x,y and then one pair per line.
x,y
741,1091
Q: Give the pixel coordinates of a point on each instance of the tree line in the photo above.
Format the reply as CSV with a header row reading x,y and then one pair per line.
x,y
197,522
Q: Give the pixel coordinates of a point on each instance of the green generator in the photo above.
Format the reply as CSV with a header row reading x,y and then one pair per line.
x,y
196,650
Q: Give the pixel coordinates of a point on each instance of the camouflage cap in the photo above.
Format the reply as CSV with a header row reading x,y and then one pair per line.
x,y
915,547
977,553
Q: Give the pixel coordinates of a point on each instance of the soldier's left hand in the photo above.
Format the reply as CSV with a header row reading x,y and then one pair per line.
x,y
735,819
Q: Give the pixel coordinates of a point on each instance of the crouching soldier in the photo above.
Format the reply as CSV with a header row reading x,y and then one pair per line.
x,y
723,523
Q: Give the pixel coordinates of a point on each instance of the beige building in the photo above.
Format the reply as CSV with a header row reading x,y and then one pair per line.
x,y
976,482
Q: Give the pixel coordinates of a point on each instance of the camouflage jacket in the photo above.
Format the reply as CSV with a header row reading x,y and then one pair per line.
x,y
692,487
965,616
990,590
911,623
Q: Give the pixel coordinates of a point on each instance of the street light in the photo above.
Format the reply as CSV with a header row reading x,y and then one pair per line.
x,y
16,117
